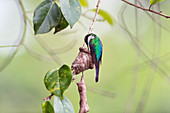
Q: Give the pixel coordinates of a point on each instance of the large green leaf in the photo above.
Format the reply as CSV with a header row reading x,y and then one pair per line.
x,y
46,16
66,76
47,107
106,16
61,25
71,10
57,81
152,2
84,3
62,106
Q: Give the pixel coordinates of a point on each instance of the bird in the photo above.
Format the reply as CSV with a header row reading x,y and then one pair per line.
x,y
95,47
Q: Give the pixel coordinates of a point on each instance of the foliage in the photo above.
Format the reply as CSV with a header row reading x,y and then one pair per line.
x,y
84,3
106,16
153,2
71,10
47,107
48,15
57,81
61,25
63,105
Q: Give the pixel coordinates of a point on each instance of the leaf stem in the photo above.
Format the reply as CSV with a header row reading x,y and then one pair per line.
x,y
48,98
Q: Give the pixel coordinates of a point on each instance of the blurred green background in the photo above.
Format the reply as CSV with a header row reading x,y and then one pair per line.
x,y
140,83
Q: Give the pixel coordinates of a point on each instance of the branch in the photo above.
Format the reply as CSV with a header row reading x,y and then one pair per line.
x,y
160,24
82,62
149,10
151,62
8,46
21,38
94,19
48,98
37,55
84,108
101,92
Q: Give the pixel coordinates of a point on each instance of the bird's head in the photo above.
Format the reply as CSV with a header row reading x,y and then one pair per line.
x,y
87,39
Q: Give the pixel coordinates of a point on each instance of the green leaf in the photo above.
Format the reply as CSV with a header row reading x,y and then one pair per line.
x,y
46,16
71,10
47,107
62,106
61,25
84,3
152,2
57,81
66,76
106,16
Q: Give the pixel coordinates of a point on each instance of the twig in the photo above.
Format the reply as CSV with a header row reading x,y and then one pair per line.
x,y
152,11
21,36
107,94
84,108
8,46
48,98
64,49
151,63
45,47
90,18
82,62
37,55
160,24
135,75
157,44
94,19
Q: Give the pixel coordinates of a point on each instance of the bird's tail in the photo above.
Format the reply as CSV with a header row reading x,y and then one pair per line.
x,y
97,74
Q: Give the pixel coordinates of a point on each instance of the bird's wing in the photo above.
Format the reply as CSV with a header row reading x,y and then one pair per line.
x,y
93,54
94,58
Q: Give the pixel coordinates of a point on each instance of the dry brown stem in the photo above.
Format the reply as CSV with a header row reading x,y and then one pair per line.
x,y
84,108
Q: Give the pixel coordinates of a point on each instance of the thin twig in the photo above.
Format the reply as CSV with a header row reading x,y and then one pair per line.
x,y
21,38
64,49
90,18
151,62
160,24
157,36
94,19
105,93
8,46
44,45
48,98
37,55
149,10
134,80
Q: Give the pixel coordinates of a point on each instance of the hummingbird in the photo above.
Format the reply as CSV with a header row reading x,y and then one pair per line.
x,y
95,47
